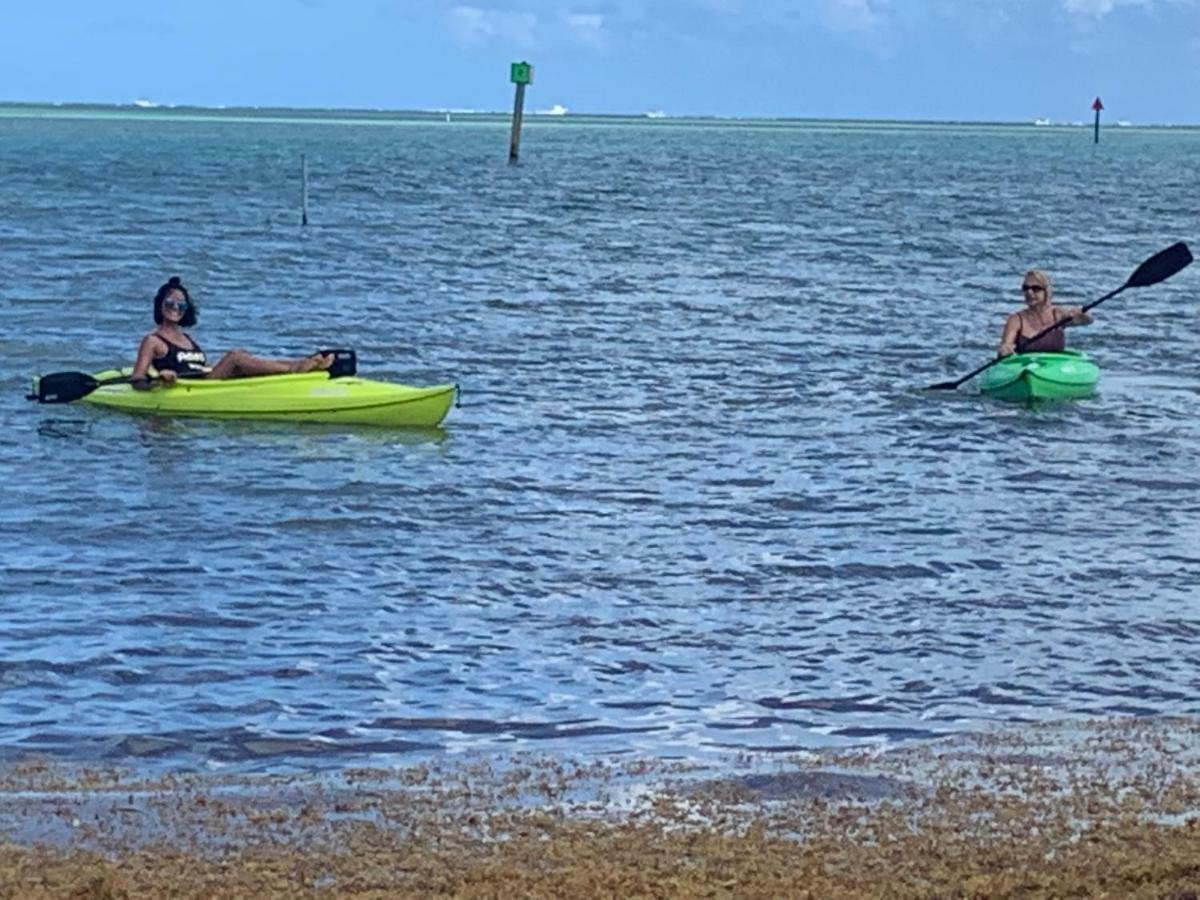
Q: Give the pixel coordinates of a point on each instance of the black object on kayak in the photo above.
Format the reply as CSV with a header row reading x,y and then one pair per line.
x,y
67,387
345,362
1159,267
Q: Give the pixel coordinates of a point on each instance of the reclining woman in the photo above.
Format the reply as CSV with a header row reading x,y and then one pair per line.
x,y
170,350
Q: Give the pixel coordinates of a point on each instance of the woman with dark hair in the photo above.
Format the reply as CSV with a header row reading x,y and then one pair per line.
x,y
170,350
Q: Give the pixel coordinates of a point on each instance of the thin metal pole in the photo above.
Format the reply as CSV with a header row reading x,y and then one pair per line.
x,y
303,189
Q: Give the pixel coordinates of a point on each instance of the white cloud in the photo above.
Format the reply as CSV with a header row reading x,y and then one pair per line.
x,y
587,28
1098,8
474,26
856,15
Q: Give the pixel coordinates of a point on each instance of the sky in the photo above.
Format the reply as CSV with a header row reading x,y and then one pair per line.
x,y
973,60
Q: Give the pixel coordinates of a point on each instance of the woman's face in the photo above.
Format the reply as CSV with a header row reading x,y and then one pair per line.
x,y
1033,291
174,307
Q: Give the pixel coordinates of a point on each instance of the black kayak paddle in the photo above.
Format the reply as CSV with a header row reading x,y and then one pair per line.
x,y
67,387
1159,267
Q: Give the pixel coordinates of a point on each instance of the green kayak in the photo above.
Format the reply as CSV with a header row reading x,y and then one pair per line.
x,y
307,397
1041,376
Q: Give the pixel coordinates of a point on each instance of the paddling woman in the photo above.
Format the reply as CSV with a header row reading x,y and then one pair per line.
x,y
1039,314
170,350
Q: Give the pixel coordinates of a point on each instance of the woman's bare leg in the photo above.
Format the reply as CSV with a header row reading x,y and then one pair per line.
x,y
314,362
240,364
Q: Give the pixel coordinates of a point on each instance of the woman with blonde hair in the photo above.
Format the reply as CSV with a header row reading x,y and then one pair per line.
x,y
1039,314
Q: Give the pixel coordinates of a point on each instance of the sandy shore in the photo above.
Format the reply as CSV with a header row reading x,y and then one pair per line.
x,y
1110,809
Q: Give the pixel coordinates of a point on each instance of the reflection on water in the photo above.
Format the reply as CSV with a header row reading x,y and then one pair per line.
x,y
695,498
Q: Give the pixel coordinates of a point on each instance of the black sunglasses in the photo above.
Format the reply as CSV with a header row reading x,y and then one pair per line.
x,y
1036,288
175,304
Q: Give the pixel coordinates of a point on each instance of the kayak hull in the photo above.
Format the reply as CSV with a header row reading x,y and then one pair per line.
x,y
1068,375
303,397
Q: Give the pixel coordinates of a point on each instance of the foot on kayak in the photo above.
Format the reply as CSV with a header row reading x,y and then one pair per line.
x,y
318,361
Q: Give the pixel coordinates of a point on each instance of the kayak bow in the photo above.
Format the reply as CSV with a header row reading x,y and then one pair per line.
x,y
1041,376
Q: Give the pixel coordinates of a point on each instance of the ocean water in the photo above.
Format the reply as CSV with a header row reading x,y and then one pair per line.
x,y
695,500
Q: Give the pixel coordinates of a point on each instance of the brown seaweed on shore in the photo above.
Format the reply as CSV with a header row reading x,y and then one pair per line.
x,y
1107,810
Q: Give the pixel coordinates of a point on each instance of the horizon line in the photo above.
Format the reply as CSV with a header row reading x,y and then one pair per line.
x,y
557,112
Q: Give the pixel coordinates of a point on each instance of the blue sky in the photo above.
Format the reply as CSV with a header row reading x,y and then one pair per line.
x,y
996,60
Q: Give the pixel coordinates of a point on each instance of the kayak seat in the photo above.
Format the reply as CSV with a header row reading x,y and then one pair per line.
x,y
345,362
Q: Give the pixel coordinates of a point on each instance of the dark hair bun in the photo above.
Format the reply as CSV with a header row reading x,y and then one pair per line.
x,y
174,281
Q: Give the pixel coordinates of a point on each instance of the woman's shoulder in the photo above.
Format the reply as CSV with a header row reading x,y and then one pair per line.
x,y
168,339
152,336
154,339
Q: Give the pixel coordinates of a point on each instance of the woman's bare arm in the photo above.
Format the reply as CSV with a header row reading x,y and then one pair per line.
x,y
150,347
1074,315
1008,337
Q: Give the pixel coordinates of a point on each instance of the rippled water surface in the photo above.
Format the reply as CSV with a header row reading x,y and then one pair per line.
x,y
694,499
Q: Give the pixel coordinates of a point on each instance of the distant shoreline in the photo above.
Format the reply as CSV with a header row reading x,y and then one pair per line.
x,y
151,111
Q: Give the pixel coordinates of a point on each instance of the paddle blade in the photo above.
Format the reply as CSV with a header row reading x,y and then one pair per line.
x,y
63,387
1161,266
943,386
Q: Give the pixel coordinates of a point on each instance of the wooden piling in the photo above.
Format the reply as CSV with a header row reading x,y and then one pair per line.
x,y
520,74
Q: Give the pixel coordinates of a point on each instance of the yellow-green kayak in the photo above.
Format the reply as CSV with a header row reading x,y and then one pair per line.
x,y
307,397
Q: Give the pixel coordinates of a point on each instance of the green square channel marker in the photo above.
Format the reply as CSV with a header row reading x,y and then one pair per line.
x,y
521,73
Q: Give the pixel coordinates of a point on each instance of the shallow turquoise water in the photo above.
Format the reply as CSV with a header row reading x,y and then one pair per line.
x,y
695,498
